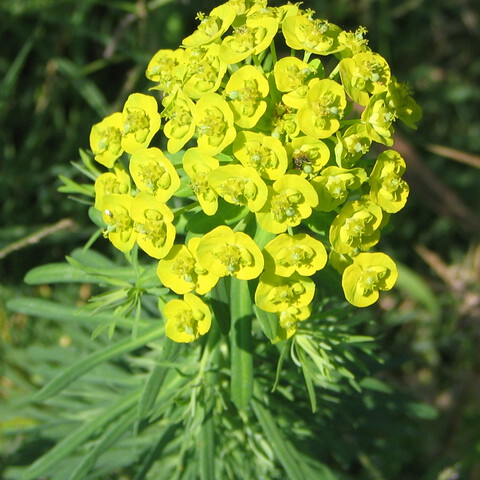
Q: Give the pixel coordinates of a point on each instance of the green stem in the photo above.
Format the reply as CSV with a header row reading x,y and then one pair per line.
x,y
273,51
177,212
241,362
334,72
306,56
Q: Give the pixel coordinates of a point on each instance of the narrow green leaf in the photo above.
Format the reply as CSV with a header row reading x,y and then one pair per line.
x,y
91,258
292,461
10,78
46,463
91,169
414,285
70,186
285,452
268,321
58,273
207,447
156,452
85,87
38,307
156,378
281,360
241,361
220,303
108,439
70,374
96,217
310,388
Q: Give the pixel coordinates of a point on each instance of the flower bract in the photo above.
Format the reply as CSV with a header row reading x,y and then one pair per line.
x,y
180,270
116,213
106,139
227,253
153,173
277,294
301,253
153,224
187,319
369,273
141,121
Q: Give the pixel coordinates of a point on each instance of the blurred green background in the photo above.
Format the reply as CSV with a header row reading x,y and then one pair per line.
x,y
65,64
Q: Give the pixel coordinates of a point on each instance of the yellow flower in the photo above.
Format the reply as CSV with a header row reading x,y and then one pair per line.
x,y
364,74
162,69
116,213
211,26
181,272
277,294
201,71
325,102
290,73
242,7
117,182
290,200
251,38
356,227
214,121
197,166
334,184
187,319
369,273
180,126
352,144
291,77
106,139
302,32
284,121
264,153
339,261
301,253
153,224
288,321
400,101
239,185
387,188
378,119
353,42
141,121
224,252
246,89
153,173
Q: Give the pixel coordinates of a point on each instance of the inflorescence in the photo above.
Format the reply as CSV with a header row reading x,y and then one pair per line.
x,y
285,140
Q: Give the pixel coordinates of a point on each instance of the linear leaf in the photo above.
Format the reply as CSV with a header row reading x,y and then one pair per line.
x,y
91,258
293,463
85,87
58,273
157,378
70,374
157,450
207,447
108,439
63,448
38,307
284,452
268,321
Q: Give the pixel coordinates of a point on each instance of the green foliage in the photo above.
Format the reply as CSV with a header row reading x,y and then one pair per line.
x,y
141,404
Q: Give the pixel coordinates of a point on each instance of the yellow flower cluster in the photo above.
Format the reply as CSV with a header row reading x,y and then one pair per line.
x,y
272,150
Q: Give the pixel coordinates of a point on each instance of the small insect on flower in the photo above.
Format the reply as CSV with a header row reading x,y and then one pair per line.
x,y
301,162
